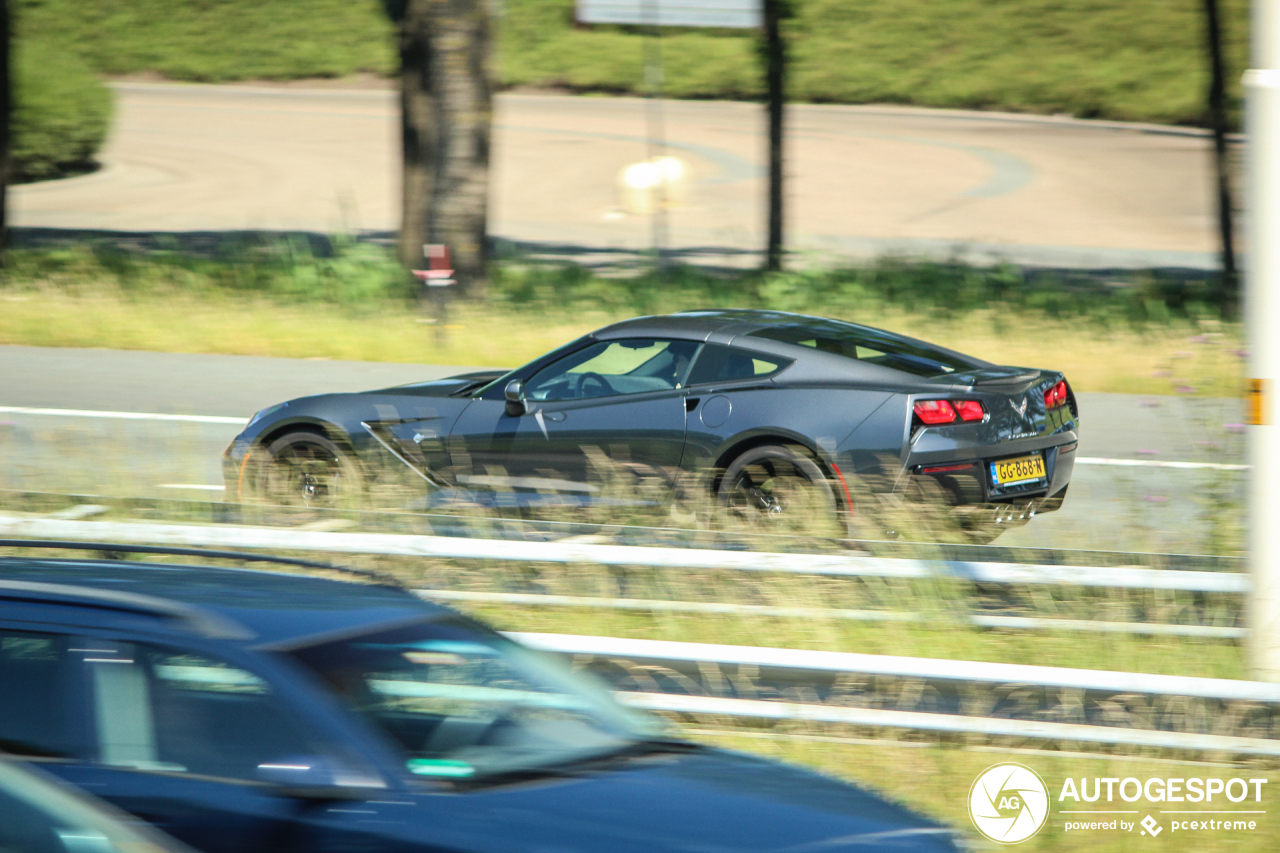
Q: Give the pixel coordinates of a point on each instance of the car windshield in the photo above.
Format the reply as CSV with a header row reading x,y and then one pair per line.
x,y
870,345
466,703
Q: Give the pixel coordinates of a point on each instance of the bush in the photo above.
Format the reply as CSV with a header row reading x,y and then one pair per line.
x,y
60,116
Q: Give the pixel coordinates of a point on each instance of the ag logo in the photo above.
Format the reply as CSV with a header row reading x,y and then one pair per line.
x,y
1009,803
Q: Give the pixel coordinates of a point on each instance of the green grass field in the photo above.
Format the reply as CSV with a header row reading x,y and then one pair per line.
x,y
1122,59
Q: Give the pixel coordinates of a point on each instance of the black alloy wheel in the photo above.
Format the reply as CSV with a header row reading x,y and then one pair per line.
x,y
308,469
779,489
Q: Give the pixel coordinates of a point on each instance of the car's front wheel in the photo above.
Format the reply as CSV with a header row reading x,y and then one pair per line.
x,y
307,469
779,489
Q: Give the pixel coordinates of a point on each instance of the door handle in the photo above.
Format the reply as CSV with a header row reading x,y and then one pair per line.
x,y
556,417
691,403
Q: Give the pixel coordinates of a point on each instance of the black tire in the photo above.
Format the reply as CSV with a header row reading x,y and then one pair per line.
x,y
307,469
779,489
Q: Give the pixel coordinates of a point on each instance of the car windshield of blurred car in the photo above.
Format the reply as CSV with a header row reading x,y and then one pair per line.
x,y
870,345
463,703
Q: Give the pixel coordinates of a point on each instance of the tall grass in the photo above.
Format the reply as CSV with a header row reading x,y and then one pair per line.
x,y
347,299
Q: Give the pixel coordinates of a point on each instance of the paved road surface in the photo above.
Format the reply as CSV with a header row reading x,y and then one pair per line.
x,y
1139,508
862,180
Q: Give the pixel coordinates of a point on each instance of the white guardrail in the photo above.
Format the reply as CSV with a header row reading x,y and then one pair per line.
x,y
979,620
925,668
451,547
230,536
67,526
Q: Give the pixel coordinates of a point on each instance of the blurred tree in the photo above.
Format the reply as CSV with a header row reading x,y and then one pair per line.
x,y
446,109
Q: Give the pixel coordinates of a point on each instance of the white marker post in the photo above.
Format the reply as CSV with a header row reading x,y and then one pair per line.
x,y
1262,322
436,279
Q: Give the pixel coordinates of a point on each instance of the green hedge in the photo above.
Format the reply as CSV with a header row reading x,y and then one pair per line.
x,y
60,116
213,41
1121,59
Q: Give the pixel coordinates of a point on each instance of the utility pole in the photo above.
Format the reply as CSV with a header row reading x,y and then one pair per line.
x,y
775,83
657,136
1229,284
1262,319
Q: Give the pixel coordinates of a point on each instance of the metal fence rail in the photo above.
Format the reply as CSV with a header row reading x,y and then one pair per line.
x,y
936,669
980,620
918,721
838,565
247,537
924,668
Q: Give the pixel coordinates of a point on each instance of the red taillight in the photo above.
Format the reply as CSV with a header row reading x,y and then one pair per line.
x,y
1056,395
933,412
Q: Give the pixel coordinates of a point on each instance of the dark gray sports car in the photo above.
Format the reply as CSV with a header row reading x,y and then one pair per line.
x,y
772,416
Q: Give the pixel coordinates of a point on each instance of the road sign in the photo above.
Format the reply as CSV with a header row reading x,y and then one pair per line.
x,y
740,14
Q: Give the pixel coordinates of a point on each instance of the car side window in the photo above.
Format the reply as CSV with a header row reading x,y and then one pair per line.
x,y
37,701
717,363
612,368
171,710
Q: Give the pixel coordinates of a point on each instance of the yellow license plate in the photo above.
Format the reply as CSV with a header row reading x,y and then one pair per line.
x,y
1020,470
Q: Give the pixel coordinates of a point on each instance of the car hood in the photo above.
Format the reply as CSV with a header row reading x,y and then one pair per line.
x,y
446,387
710,801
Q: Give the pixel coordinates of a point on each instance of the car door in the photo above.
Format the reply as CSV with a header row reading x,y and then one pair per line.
x,y
602,424
729,392
181,739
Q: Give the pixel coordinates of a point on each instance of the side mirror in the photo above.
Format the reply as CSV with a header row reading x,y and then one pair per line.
x,y
313,777
515,398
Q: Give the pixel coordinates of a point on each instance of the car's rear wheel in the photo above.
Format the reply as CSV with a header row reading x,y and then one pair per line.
x,y
308,469
779,489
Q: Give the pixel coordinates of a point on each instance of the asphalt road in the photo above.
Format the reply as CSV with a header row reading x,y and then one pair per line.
x,y
1129,498
862,181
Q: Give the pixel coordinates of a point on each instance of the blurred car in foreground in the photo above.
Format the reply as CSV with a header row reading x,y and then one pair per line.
x,y
245,711
776,417
40,815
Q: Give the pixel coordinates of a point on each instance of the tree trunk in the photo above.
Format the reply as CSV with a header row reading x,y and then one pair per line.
x,y
446,104
6,113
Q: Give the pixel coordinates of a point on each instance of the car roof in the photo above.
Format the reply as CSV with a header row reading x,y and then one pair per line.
x,y
268,608
699,324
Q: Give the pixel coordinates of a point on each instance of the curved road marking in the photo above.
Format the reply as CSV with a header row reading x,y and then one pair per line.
x,y
732,167
1009,172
